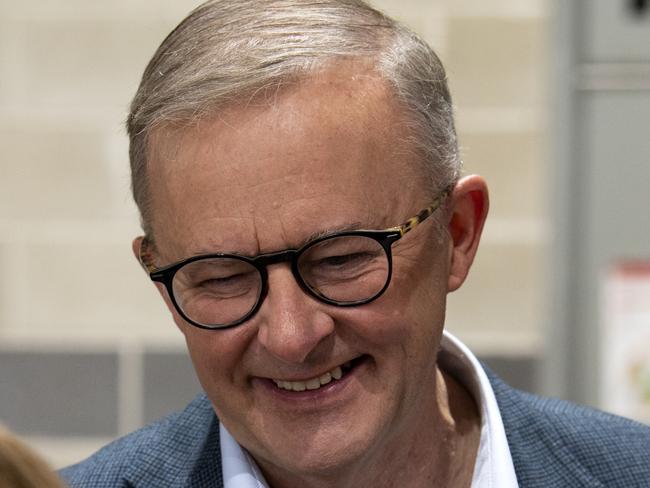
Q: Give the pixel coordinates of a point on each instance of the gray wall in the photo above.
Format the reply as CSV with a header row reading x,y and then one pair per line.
x,y
601,136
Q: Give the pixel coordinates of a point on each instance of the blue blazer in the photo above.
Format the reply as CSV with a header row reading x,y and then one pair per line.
x,y
553,444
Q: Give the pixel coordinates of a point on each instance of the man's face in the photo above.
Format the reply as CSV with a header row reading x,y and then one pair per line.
x,y
323,155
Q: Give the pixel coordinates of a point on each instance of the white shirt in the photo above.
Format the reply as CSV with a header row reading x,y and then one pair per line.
x,y
493,468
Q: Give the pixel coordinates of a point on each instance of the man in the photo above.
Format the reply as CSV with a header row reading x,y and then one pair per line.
x,y
295,164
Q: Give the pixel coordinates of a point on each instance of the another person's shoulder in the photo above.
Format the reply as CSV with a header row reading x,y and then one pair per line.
x,y
160,454
552,439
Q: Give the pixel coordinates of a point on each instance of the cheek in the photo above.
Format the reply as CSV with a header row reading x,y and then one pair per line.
x,y
396,322
168,302
217,357
408,319
418,295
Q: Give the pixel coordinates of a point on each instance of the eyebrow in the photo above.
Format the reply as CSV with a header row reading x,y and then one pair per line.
x,y
329,231
311,237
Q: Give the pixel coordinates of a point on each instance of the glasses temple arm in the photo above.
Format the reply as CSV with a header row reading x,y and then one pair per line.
x,y
413,222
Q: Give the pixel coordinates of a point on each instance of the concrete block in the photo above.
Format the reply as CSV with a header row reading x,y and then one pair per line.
x,y
169,383
76,64
47,173
497,61
84,291
502,294
72,394
513,166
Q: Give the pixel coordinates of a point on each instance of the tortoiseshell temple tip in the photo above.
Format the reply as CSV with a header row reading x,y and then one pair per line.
x,y
413,222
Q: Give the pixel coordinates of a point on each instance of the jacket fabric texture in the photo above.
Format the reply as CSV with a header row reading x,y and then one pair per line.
x,y
553,444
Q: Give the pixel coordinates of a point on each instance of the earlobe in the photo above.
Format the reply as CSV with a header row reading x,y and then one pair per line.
x,y
470,203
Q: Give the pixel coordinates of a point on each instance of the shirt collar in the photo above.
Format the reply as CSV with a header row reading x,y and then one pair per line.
x,y
493,468
238,467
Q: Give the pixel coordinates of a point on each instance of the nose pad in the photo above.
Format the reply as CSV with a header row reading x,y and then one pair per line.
x,y
292,323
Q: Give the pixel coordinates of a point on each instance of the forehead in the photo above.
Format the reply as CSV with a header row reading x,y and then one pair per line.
x,y
326,152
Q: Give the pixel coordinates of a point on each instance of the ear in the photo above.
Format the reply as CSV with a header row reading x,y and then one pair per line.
x,y
136,246
470,203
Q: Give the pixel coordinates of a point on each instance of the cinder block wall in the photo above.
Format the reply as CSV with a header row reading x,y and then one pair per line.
x,y
87,350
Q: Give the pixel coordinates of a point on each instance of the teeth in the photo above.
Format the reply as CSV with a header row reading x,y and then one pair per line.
x,y
313,383
337,373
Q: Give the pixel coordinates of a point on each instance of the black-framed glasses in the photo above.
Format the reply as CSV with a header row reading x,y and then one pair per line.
x,y
349,268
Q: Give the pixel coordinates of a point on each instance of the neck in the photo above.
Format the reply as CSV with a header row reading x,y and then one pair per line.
x,y
437,448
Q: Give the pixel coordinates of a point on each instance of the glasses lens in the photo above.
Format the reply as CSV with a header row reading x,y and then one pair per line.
x,y
217,292
345,269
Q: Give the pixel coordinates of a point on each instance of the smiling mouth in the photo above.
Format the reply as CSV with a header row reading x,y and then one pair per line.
x,y
317,382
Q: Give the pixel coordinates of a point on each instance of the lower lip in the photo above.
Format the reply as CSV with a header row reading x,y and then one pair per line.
x,y
320,394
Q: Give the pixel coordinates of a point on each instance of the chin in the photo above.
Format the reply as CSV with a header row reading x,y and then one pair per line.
x,y
321,457
327,446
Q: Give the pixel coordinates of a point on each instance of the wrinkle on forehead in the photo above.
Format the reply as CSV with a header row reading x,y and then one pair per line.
x,y
302,156
355,80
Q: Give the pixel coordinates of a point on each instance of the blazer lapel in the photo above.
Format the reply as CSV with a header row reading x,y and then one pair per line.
x,y
189,455
539,452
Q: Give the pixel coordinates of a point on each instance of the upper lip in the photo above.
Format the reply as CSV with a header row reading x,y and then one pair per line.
x,y
309,376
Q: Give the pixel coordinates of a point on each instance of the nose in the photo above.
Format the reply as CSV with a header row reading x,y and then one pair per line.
x,y
292,324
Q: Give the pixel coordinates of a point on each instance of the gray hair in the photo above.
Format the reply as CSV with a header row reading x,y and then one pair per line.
x,y
228,50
